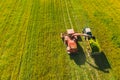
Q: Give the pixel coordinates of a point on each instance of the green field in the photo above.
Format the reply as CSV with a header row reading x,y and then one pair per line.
x,y
31,47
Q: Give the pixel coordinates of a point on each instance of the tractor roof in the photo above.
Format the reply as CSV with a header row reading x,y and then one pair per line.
x,y
87,30
70,31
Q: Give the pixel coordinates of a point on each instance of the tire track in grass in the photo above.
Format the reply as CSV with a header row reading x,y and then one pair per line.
x,y
85,13
7,17
97,77
36,20
76,22
63,15
70,8
65,21
51,45
52,70
22,40
63,57
19,35
73,73
89,70
51,10
99,71
113,7
68,13
48,39
74,70
5,24
42,61
13,48
3,57
40,56
96,5
67,72
77,10
103,3
108,12
2,8
106,4
44,38
49,73
6,36
88,65
30,48
64,7
113,12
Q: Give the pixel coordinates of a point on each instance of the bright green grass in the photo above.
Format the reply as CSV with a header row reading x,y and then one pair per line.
x,y
30,44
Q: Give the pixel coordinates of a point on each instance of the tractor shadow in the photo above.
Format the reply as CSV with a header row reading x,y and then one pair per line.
x,y
101,62
79,58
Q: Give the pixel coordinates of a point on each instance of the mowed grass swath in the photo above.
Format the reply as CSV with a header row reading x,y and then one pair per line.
x,y
31,47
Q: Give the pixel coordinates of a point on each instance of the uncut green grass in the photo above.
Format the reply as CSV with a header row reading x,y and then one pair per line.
x,y
30,44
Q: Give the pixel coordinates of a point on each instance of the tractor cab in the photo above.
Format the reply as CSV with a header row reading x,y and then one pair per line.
x,y
88,32
70,31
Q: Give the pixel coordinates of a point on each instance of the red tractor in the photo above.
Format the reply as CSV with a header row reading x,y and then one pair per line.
x,y
70,39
